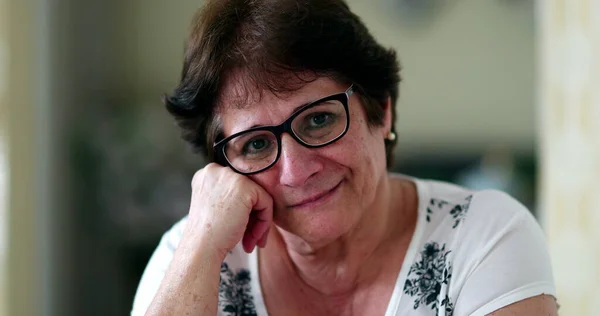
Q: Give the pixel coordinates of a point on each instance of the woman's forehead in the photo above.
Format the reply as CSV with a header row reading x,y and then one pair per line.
x,y
240,89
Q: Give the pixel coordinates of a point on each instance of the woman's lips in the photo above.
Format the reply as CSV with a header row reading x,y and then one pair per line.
x,y
317,198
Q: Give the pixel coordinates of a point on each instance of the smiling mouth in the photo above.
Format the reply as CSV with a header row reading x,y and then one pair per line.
x,y
321,197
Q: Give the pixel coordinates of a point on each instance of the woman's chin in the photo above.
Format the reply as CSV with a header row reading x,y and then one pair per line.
x,y
318,226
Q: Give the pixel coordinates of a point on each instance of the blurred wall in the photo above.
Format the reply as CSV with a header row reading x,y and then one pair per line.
x,y
24,262
468,70
570,148
151,42
3,158
34,102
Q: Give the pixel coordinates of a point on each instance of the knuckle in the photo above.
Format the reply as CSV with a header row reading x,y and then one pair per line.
x,y
203,172
197,177
211,165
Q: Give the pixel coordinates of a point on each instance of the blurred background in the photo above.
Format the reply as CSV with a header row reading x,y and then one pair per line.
x,y
496,94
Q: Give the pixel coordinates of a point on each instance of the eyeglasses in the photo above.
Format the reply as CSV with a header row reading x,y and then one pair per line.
x,y
314,125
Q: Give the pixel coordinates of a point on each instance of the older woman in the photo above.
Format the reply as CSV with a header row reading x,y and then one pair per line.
x,y
293,102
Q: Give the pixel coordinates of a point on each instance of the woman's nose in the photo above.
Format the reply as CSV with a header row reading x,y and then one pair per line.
x,y
297,163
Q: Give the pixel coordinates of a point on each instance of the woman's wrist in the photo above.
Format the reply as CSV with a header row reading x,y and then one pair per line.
x,y
201,249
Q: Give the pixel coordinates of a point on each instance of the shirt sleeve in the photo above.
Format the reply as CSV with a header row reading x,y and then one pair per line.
x,y
156,269
506,259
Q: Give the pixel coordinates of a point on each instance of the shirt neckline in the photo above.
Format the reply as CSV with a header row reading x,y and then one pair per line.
x,y
422,194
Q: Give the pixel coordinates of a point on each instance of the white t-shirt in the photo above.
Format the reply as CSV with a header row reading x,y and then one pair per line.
x,y
472,252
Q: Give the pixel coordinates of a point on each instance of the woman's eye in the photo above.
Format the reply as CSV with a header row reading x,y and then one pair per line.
x,y
256,145
320,119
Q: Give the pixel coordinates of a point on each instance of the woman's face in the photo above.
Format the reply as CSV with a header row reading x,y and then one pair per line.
x,y
322,193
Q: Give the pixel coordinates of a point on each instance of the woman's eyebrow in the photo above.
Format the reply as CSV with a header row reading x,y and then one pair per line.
x,y
293,111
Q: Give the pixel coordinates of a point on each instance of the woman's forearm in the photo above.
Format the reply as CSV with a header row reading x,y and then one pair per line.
x,y
190,285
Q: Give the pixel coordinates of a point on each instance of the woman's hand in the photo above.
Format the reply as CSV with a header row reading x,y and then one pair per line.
x,y
227,207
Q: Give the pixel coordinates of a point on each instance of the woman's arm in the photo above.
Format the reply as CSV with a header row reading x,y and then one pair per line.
x,y
191,283
503,256
543,305
225,208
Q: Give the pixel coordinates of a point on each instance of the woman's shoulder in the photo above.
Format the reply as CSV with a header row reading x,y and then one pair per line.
x,y
472,221
469,237
447,202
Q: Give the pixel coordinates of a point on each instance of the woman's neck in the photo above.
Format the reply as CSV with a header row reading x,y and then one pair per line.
x,y
354,260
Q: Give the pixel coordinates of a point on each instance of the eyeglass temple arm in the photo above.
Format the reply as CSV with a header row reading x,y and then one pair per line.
x,y
350,90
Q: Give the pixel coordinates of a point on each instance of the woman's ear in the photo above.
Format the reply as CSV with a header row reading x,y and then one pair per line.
x,y
387,119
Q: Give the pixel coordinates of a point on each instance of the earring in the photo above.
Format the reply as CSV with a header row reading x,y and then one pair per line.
x,y
391,136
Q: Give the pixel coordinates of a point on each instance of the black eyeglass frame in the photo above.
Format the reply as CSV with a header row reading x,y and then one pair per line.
x,y
286,127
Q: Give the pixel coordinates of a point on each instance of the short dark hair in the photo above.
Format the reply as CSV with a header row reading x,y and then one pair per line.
x,y
273,42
